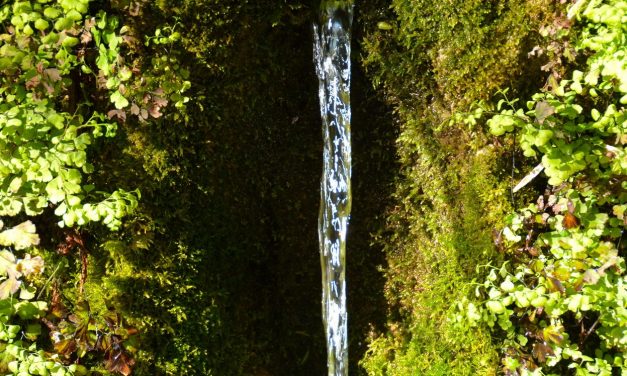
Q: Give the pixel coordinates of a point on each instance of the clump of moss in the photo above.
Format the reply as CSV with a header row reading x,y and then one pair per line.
x,y
214,270
432,59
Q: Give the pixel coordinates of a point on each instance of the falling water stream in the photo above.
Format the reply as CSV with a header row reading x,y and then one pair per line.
x,y
332,58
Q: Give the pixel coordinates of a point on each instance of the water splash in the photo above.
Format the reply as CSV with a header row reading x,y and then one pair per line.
x,y
332,58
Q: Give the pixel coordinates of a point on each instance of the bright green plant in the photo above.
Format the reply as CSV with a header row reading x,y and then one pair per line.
x,y
64,75
44,130
560,302
20,308
432,59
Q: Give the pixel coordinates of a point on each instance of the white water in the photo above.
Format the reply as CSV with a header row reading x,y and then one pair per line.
x,y
332,58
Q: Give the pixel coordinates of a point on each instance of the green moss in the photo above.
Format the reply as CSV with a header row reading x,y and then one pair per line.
x,y
215,270
454,189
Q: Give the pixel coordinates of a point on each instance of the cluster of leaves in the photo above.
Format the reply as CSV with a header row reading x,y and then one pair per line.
x,y
73,334
248,147
77,334
131,90
19,307
433,58
64,75
449,42
44,157
560,300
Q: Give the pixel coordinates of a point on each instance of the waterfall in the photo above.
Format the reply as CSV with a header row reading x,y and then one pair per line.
x,y
332,58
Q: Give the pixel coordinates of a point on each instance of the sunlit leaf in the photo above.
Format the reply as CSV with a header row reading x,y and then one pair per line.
x,y
27,293
9,287
553,334
30,310
382,25
119,100
30,265
21,236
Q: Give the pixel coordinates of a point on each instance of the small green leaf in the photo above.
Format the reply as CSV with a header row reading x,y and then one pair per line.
x,y
507,285
63,24
14,122
118,100
543,137
52,12
382,25
539,301
56,120
61,209
28,30
31,310
27,293
574,302
125,74
32,332
51,38
510,235
495,307
500,124
42,24
74,15
69,42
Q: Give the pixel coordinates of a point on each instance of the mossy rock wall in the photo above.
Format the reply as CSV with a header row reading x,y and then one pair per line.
x,y
227,279
220,268
431,60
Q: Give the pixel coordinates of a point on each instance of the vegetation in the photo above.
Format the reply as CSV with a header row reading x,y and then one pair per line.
x,y
159,177
432,60
560,297
65,75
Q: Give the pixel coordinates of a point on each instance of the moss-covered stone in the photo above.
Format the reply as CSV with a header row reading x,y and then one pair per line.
x,y
433,60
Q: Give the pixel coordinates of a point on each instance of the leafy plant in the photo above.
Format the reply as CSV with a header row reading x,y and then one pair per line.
x,y
64,75
431,59
44,149
19,307
560,301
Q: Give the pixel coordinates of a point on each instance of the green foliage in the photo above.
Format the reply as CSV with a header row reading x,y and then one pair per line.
x,y
433,59
19,312
560,300
464,50
61,70
44,158
191,269
30,361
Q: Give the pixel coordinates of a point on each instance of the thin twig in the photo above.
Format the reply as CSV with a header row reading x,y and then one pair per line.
x,y
513,168
590,331
48,281
83,255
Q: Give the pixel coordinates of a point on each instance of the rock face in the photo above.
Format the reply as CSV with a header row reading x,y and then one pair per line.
x,y
230,197
234,196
